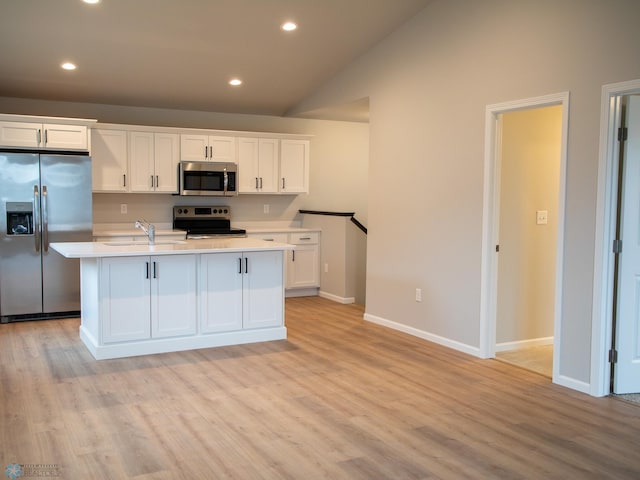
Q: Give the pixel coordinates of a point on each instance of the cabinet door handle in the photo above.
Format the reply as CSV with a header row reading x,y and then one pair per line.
x,y
155,270
305,238
246,265
157,182
147,269
39,136
151,181
206,152
283,183
211,152
46,137
269,239
124,179
240,266
260,183
293,255
256,183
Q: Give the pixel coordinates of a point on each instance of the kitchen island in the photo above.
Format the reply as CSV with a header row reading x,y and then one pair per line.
x,y
139,299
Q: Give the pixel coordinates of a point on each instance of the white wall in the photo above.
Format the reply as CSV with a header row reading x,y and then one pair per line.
x,y
429,84
338,165
529,176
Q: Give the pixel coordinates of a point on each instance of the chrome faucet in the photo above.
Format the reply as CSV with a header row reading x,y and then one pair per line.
x,y
149,229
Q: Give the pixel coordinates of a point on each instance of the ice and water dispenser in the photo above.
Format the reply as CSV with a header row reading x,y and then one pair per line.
x,y
19,218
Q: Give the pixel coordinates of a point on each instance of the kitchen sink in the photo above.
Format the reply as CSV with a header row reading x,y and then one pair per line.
x,y
134,243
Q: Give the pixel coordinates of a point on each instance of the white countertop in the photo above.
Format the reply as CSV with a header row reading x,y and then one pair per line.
x,y
142,248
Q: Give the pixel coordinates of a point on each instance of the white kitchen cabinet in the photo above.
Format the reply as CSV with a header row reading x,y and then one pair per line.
x,y
125,305
262,296
258,164
147,297
109,155
43,135
241,291
207,148
173,296
302,266
304,261
153,162
294,166
220,292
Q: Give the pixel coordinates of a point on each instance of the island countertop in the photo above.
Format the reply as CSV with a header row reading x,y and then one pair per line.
x,y
164,247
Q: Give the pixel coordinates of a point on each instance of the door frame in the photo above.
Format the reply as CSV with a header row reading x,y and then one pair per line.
x,y
604,258
491,221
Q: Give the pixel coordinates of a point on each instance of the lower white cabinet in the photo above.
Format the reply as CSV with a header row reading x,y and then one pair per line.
x,y
240,291
147,297
302,263
145,304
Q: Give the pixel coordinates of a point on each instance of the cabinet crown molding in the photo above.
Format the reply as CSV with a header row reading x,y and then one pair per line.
x,y
9,117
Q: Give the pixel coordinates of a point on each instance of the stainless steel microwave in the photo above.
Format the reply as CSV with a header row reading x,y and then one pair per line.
x,y
208,178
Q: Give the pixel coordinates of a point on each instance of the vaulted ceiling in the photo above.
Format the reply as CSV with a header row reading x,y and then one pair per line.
x,y
181,54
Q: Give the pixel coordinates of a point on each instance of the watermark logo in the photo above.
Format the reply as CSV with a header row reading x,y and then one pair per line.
x,y
13,471
29,470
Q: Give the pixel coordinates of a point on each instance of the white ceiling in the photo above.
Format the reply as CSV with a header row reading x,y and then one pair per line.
x,y
180,54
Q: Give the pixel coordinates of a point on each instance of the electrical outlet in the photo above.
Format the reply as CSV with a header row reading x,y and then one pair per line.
x,y
326,268
418,294
123,208
266,208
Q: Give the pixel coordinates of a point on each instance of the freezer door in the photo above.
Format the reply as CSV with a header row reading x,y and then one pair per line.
x,y
20,262
66,217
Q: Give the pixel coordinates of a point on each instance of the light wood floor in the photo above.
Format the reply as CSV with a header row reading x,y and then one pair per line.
x,y
537,359
340,399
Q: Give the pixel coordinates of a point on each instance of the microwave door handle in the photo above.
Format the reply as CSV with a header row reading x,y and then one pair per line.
x,y
226,181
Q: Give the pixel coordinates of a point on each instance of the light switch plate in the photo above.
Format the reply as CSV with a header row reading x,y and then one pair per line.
x,y
542,217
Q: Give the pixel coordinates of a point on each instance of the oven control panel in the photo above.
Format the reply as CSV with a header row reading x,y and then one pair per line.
x,y
202,212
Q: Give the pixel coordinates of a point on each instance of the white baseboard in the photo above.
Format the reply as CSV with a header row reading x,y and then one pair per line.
x,y
573,384
461,347
301,292
520,344
336,298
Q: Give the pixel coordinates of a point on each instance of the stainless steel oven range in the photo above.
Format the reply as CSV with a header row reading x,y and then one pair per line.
x,y
202,222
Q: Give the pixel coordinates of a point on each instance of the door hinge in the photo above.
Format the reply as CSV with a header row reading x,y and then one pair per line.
x,y
613,356
622,134
617,246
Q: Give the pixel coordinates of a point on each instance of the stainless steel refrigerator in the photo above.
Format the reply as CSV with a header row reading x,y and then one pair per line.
x,y
45,198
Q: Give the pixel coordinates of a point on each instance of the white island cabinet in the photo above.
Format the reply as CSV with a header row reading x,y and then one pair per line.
x,y
139,299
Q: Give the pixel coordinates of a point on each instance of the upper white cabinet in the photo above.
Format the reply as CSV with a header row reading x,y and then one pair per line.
x,y
43,135
109,156
153,161
258,165
207,148
294,166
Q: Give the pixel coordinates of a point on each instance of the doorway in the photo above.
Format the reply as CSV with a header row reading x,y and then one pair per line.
x,y
493,337
603,376
529,165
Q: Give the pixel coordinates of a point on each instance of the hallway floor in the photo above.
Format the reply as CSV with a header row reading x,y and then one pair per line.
x,y
537,359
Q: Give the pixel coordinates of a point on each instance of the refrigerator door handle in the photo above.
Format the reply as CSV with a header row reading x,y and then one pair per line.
x,y
45,220
36,217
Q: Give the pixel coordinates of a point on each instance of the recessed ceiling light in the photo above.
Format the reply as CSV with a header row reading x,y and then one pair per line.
x,y
235,82
91,1
68,66
289,26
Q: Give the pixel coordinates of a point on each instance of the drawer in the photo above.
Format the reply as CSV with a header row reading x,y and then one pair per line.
x,y
270,237
304,238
